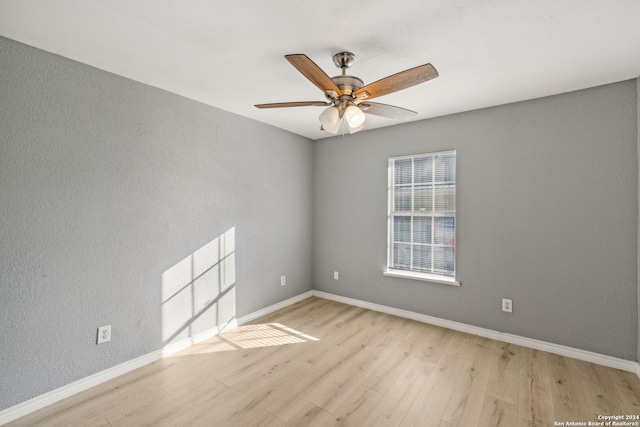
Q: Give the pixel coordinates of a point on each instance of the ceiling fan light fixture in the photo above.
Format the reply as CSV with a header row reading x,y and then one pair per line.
x,y
355,116
352,120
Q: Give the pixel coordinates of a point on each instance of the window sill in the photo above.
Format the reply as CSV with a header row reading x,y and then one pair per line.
x,y
422,276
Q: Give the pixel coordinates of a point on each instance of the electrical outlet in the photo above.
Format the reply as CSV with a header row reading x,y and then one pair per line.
x,y
335,275
283,280
104,334
507,305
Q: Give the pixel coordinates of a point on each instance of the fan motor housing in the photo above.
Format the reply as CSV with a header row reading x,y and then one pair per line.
x,y
347,84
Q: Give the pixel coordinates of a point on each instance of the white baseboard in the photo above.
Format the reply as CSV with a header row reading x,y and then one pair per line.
x,y
587,356
275,307
68,390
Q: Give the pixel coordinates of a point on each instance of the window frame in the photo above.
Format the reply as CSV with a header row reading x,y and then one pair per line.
x,y
391,187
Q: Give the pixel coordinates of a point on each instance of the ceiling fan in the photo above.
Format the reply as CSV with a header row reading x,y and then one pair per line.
x,y
348,97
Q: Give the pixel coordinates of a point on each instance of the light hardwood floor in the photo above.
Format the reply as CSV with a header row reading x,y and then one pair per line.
x,y
322,363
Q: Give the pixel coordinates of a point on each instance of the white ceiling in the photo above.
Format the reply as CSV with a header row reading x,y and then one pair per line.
x,y
230,54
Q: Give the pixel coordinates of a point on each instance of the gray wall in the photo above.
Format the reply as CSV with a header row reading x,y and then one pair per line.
x,y
547,216
127,205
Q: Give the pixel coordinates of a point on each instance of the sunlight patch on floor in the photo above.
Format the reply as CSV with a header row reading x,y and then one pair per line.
x,y
252,336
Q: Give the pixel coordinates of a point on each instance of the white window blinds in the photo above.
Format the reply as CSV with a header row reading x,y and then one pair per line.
x,y
422,213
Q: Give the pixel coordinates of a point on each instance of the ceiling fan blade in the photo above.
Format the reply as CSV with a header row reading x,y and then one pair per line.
x,y
384,110
294,104
311,71
398,81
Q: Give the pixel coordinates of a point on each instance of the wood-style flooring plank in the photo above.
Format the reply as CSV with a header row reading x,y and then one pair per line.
x,y
628,385
355,409
535,405
569,401
311,415
399,397
322,363
429,405
504,375
498,413
600,391
344,378
465,403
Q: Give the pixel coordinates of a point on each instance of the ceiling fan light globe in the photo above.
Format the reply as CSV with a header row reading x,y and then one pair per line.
x,y
333,130
355,129
330,120
355,116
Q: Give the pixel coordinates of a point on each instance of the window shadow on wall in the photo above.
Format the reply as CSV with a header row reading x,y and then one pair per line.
x,y
198,293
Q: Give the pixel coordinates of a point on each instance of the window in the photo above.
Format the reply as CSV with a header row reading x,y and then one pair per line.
x,y
422,217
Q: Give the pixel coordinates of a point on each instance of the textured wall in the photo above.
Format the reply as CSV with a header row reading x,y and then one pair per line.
x,y
547,216
126,205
